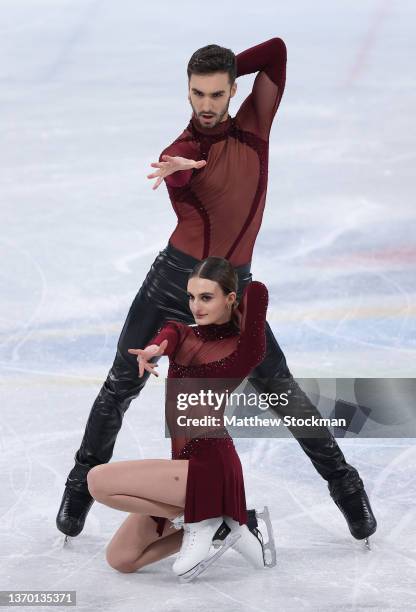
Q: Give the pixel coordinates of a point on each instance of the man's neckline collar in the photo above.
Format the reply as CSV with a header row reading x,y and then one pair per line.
x,y
220,128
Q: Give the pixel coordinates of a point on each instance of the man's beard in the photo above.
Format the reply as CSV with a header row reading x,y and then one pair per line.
x,y
218,120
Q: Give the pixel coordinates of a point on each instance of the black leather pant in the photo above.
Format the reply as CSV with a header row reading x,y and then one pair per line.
x,y
161,297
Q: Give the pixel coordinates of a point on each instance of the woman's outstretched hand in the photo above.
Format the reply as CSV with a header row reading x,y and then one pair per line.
x,y
171,165
143,356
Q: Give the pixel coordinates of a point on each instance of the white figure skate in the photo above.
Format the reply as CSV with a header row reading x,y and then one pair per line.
x,y
251,544
194,556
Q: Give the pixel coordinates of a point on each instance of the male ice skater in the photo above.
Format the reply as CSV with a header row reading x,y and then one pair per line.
x,y
216,176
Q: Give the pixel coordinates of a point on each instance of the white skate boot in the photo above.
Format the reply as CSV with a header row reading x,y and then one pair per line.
x,y
251,544
194,557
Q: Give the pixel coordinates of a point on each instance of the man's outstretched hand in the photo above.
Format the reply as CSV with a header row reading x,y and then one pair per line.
x,y
171,165
143,356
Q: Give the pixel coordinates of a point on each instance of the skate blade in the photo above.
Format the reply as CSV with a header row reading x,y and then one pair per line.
x,y
367,544
191,574
269,548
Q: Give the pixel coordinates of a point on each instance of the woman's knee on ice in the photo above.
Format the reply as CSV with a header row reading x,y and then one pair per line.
x,y
122,563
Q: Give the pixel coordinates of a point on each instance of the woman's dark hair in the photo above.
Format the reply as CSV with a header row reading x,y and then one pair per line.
x,y
213,58
220,270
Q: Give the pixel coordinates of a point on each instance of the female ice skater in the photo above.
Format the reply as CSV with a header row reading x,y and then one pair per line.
x,y
202,486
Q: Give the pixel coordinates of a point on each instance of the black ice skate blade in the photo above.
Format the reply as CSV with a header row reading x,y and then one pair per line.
x,y
191,574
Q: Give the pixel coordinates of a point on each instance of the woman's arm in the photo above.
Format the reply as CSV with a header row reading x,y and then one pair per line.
x,y
253,309
163,343
170,332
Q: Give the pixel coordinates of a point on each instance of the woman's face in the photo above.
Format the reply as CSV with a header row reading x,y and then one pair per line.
x,y
208,303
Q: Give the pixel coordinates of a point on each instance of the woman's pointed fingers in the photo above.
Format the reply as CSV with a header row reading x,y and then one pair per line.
x,y
134,351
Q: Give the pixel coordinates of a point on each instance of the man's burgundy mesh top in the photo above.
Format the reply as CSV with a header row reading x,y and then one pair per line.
x,y
220,206
226,352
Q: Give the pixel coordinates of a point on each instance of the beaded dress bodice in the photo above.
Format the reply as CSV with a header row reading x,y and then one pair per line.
x,y
219,350
216,355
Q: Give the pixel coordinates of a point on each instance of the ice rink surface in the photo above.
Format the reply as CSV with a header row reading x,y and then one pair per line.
x,y
91,92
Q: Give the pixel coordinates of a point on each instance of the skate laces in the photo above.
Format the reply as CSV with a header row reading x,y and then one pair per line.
x,y
189,536
191,531
186,543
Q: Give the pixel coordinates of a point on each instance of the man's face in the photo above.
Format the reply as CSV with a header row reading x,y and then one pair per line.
x,y
209,95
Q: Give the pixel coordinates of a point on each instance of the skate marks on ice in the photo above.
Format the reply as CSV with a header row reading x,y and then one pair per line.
x,y
344,301
124,264
31,547
44,325
314,546
309,529
26,287
312,536
395,482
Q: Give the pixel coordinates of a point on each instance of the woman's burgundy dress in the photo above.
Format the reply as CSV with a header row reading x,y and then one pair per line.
x,y
215,485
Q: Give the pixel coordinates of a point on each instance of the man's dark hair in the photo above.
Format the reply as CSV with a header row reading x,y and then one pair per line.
x,y
213,58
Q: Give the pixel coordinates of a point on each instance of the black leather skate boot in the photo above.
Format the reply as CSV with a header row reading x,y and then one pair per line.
x,y
73,511
356,508
76,501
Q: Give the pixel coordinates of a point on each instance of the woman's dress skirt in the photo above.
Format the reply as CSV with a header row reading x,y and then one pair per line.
x,y
215,485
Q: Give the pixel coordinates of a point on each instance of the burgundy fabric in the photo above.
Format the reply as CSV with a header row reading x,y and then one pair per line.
x,y
220,207
219,350
218,354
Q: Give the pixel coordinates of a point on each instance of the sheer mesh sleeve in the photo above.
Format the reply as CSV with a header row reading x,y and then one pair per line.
x,y
258,110
172,333
182,147
252,309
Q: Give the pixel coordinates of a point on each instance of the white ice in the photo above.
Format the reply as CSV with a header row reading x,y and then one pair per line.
x,y
91,92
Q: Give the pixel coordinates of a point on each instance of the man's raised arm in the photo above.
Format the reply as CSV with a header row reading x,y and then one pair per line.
x,y
259,108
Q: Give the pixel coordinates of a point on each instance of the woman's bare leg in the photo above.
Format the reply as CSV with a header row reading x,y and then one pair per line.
x,y
144,487
136,543
149,486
